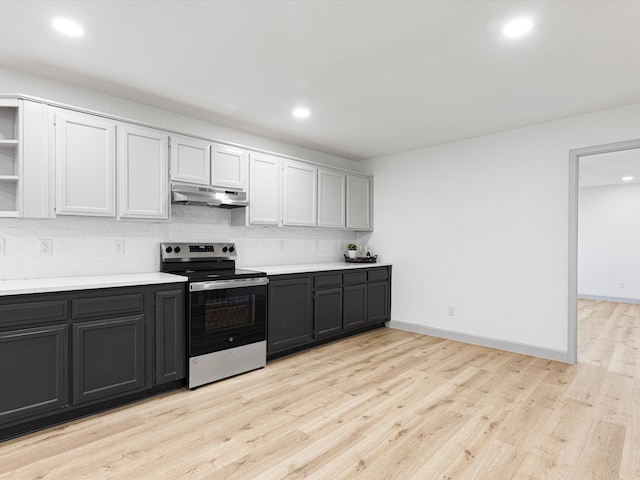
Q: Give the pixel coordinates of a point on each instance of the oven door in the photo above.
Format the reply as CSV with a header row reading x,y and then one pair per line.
x,y
226,314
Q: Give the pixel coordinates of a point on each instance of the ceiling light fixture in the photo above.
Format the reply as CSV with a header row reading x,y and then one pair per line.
x,y
301,112
68,27
517,28
627,179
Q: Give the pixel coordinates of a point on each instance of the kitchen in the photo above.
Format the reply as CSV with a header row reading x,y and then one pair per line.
x,y
452,261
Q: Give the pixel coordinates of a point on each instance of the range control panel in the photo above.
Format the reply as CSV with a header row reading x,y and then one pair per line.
x,y
184,251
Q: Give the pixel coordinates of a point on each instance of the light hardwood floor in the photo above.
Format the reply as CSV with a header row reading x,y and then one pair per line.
x,y
383,405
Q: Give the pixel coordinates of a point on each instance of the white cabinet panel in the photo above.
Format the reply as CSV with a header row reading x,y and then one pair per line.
x,y
143,180
358,202
299,193
265,180
189,160
228,167
36,174
331,198
85,164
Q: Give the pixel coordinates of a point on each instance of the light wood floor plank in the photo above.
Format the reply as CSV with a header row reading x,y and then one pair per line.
x,y
383,405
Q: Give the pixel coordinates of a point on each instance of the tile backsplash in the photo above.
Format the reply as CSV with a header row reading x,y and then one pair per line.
x,y
90,246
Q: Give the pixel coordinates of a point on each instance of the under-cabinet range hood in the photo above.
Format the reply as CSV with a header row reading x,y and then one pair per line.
x,y
184,194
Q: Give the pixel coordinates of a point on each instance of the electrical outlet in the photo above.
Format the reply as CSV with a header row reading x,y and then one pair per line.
x,y
281,244
45,247
451,310
118,247
621,285
1,246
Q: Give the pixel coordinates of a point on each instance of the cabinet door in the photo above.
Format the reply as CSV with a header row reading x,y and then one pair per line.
x,y
327,312
299,193
331,198
290,322
358,202
34,371
143,173
190,160
85,164
265,187
170,331
228,167
377,302
37,194
108,358
355,306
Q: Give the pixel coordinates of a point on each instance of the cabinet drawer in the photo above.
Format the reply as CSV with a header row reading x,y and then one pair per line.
x,y
30,312
378,274
355,277
323,281
106,306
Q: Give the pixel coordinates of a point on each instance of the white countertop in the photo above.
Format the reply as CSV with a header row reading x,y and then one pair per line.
x,y
313,267
61,284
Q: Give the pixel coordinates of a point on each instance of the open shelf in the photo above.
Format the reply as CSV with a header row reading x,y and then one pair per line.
x,y
8,214
9,178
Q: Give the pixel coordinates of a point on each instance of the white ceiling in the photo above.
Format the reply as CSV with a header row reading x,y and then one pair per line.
x,y
379,77
609,168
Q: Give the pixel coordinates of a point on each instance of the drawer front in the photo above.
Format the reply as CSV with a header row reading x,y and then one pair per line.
x,y
32,312
355,277
107,305
378,274
322,281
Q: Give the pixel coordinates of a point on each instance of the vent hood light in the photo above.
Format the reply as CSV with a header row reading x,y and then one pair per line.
x,y
627,179
68,27
301,112
517,28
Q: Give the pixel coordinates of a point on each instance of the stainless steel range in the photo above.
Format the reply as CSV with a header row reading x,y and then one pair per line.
x,y
227,310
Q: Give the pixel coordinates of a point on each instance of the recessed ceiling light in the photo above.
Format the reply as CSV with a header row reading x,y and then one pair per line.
x,y
517,27
301,112
68,27
627,179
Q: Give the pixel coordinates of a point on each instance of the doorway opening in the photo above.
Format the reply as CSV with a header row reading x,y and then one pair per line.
x,y
597,166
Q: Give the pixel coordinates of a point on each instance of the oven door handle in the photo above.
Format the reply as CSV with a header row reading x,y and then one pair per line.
x,y
224,284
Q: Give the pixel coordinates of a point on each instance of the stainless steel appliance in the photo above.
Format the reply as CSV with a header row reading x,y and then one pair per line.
x,y
184,194
227,310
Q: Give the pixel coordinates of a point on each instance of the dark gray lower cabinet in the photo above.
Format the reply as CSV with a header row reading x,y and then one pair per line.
x,y
170,336
327,312
108,358
377,302
33,371
355,306
289,312
72,353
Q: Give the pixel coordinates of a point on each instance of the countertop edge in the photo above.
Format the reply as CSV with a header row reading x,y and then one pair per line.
x,y
272,270
92,282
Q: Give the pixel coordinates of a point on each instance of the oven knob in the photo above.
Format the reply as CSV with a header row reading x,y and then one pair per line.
x,y
168,249
231,339
177,249
231,248
224,249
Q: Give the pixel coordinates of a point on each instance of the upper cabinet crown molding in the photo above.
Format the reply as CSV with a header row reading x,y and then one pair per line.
x,y
190,160
85,161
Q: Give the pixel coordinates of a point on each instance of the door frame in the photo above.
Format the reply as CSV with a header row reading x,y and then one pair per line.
x,y
574,160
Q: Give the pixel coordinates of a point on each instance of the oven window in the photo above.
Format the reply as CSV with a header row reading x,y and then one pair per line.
x,y
229,312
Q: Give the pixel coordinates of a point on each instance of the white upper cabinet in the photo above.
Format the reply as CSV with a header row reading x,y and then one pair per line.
x,y
331,198
299,193
9,158
229,167
143,177
37,174
189,160
85,162
358,202
265,198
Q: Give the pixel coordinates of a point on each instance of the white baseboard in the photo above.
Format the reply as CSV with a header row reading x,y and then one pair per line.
x,y
604,298
515,347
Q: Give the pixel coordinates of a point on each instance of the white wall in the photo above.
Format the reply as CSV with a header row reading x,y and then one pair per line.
x,y
84,246
483,224
609,241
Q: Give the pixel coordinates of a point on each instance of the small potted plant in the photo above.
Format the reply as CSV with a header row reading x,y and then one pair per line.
x,y
352,250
